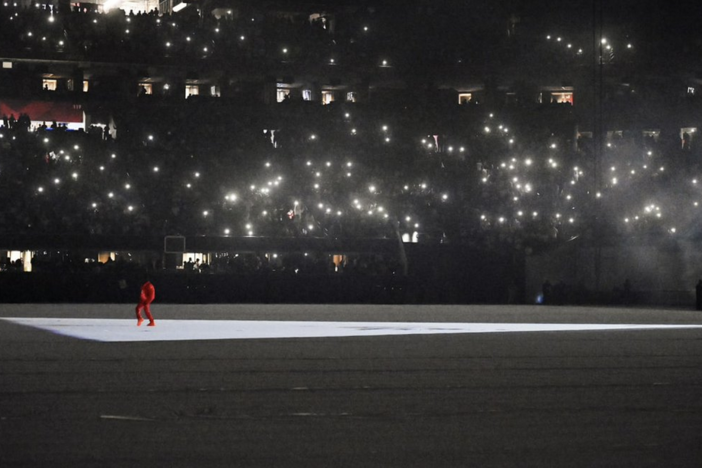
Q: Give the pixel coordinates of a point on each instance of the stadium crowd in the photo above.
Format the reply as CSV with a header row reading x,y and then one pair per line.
x,y
459,174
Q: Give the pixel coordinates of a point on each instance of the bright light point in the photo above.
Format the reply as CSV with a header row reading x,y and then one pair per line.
x,y
155,168
40,189
110,195
188,185
57,181
127,186
102,168
130,208
371,188
74,175
553,146
114,156
94,205
487,129
205,213
226,232
313,137
151,137
528,162
672,230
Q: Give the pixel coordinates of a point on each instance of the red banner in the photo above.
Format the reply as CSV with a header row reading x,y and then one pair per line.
x,y
43,111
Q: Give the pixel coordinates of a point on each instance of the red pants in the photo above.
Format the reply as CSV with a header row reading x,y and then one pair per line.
x,y
144,305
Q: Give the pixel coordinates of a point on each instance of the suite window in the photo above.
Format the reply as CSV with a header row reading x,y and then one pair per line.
x,y
48,85
465,98
192,90
562,98
327,97
146,88
282,94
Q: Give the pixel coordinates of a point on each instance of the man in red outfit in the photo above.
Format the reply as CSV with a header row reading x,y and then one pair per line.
x,y
148,294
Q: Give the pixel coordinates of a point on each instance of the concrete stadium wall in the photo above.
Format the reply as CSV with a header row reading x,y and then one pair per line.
x,y
659,275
